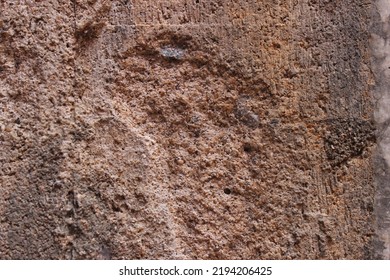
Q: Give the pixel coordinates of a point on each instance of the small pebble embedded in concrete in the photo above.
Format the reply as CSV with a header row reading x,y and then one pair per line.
x,y
172,53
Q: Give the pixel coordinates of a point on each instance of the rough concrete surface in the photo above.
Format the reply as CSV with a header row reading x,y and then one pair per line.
x,y
187,129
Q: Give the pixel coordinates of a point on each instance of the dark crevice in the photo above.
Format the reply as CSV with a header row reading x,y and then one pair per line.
x,y
227,191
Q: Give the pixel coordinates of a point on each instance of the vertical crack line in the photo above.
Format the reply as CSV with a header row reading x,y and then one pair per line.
x,y
74,59
74,15
75,97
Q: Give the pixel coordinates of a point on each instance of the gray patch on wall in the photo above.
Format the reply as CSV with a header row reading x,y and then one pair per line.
x,y
380,49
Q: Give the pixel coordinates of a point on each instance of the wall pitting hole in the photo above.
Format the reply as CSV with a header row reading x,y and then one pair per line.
x,y
247,148
227,191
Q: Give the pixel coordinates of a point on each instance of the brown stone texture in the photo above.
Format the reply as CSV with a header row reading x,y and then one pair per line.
x,y
186,129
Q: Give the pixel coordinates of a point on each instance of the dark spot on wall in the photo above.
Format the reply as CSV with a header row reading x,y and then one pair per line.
x,y
227,191
346,139
88,33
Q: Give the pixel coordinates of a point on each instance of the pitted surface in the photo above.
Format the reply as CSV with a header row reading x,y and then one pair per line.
x,y
186,129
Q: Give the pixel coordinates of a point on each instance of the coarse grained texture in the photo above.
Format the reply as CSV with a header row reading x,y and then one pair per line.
x,y
186,129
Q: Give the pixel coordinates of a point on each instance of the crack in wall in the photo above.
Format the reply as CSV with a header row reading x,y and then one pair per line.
x,y
74,57
74,95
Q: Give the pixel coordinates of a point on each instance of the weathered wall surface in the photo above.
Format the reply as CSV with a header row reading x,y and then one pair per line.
x,y
186,129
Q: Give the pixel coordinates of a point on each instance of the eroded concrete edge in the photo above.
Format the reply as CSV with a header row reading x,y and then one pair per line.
x,y
380,47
